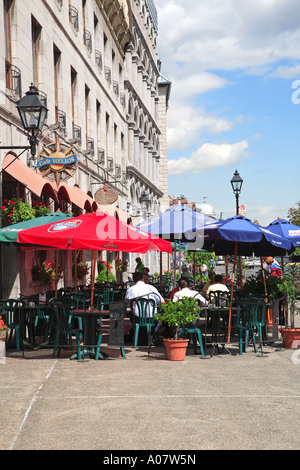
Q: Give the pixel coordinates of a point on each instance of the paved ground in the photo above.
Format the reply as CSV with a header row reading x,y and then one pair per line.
x,y
145,402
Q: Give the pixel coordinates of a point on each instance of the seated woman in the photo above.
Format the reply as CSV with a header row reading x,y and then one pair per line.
x,y
185,291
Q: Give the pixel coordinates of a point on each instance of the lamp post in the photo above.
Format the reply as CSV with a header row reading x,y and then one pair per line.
x,y
236,183
143,200
33,114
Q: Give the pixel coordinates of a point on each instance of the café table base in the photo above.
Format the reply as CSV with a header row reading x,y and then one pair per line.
x,y
89,353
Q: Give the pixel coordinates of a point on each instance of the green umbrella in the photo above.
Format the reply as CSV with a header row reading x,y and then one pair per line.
x,y
9,234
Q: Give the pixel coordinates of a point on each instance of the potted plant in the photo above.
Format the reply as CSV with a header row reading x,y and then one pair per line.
x,y
290,285
175,315
3,330
82,270
103,275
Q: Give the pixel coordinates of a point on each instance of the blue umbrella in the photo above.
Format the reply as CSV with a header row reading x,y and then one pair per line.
x,y
176,223
285,229
240,236
222,236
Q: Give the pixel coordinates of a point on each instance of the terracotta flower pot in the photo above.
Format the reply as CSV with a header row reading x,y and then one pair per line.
x,y
3,335
176,348
291,337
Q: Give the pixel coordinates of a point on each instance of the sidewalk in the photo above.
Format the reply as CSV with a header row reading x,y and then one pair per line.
x,y
147,402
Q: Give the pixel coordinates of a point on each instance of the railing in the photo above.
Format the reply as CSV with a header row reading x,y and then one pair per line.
x,y
107,72
115,87
74,17
77,133
13,79
87,39
90,144
122,100
98,59
61,118
101,156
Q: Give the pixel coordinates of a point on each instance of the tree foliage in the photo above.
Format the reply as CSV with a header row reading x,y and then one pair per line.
x,y
294,214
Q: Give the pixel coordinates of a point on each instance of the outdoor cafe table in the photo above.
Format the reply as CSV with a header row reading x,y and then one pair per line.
x,y
219,326
90,330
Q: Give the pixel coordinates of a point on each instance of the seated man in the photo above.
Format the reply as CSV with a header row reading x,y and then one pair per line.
x,y
217,286
185,291
141,290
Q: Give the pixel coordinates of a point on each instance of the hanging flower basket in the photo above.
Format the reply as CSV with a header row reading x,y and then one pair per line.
x,y
121,266
82,270
47,272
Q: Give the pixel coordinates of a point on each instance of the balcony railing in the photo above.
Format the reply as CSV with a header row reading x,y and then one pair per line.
x,y
101,157
87,39
77,133
110,164
122,100
62,119
107,72
13,79
98,59
74,17
115,87
90,145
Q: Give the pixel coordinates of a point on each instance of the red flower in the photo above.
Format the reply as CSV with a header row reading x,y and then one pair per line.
x,y
3,208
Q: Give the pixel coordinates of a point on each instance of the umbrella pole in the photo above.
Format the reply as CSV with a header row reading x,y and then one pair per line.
x,y
231,292
93,278
160,267
75,268
264,279
226,269
56,273
174,265
194,268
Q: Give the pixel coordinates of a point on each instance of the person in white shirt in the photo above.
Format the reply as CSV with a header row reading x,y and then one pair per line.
x,y
184,291
218,285
140,289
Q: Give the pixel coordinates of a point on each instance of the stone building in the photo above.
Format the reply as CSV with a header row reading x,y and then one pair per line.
x,y
95,66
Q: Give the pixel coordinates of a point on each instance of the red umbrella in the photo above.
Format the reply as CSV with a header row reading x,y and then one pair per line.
x,y
94,231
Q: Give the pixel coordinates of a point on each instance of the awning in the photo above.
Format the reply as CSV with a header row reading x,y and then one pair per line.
x,y
29,178
116,212
76,196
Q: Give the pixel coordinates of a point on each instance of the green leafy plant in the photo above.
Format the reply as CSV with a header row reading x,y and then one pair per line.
x,y
15,210
179,313
290,283
122,265
40,210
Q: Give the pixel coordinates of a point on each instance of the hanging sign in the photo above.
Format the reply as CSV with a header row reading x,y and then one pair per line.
x,y
106,195
57,164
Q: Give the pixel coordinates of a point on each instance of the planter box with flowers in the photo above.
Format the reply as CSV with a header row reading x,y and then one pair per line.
x,y
81,270
15,211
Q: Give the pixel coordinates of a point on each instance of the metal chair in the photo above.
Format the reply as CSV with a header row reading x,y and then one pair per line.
x,y
13,319
146,309
63,332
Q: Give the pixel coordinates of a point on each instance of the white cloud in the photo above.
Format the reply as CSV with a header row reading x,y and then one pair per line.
x,y
185,125
208,156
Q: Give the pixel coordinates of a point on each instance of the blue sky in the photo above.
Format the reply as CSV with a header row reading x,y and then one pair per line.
x,y
233,65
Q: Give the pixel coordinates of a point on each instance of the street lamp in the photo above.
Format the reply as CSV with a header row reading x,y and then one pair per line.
x,y
143,200
33,114
236,183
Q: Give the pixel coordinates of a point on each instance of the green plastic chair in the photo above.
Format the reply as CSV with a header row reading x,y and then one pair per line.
x,y
12,322
63,330
144,306
246,325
